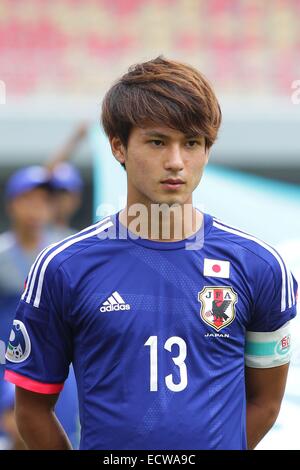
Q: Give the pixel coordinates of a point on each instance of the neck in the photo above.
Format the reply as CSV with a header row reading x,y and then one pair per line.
x,y
160,222
28,239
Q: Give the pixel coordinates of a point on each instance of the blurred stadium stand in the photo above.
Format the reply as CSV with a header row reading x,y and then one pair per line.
x,y
75,46
58,56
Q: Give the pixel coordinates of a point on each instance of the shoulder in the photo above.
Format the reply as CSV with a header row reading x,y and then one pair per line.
x,y
59,252
52,258
257,250
266,267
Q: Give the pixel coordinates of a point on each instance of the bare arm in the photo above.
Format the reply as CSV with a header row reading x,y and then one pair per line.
x,y
264,392
37,423
65,153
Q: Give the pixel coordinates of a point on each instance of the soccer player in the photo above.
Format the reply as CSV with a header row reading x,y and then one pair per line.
x,y
177,324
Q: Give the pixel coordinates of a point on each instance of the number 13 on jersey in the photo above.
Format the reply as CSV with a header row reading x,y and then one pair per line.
x,y
178,361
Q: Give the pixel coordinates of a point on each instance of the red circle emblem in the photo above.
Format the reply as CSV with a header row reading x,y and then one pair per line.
x,y
216,268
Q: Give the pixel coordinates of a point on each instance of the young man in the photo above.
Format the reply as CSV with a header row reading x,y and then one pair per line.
x,y
159,315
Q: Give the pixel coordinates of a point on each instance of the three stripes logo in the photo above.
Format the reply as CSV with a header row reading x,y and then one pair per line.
x,y
114,303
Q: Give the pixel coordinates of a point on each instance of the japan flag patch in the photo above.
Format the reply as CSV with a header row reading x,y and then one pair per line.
x,y
216,268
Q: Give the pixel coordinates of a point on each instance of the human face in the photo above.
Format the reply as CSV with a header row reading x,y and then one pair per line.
x,y
163,165
31,211
65,204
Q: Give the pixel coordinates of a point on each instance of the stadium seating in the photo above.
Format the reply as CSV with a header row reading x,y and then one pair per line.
x,y
78,46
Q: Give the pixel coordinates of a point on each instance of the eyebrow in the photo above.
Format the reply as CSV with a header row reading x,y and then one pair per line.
x,y
154,134
163,136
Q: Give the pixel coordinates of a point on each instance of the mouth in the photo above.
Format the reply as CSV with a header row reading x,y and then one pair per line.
x,y
172,183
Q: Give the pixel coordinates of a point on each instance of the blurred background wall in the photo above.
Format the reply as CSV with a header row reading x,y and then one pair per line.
x,y
57,57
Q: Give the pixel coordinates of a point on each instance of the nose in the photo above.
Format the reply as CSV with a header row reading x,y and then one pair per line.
x,y
174,159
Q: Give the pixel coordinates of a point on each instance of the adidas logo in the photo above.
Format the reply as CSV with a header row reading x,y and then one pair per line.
x,y
114,302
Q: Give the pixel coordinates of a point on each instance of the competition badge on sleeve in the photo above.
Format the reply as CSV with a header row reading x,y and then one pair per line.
x,y
19,345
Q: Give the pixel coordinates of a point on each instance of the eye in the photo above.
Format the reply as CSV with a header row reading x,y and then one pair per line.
x,y
157,142
192,143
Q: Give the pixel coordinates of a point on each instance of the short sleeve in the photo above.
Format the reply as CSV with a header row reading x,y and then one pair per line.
x,y
39,349
268,336
275,298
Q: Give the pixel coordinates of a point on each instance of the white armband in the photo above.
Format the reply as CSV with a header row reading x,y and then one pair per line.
x,y
270,349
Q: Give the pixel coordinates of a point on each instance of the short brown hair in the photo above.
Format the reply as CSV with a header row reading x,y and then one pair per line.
x,y
162,91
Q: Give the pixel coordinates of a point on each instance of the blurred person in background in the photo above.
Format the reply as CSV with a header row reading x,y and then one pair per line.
x,y
67,184
28,197
28,204
67,197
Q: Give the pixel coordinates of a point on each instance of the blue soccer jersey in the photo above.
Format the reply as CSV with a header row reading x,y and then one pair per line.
x,y
158,332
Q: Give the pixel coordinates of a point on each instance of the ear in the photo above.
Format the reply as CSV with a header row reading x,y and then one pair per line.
x,y
118,149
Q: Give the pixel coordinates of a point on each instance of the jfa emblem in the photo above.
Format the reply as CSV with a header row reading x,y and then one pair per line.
x,y
217,306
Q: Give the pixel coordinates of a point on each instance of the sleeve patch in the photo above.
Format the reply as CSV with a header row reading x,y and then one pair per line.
x,y
19,345
268,349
